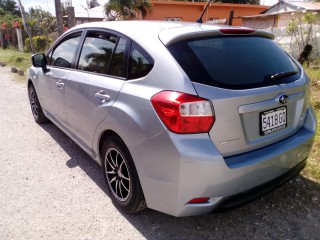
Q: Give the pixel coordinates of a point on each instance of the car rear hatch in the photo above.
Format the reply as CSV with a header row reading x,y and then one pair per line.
x,y
257,91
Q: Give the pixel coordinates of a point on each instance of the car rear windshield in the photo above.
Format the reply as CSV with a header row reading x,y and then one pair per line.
x,y
235,62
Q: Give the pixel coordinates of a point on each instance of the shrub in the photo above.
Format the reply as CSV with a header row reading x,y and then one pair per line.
x,y
317,105
39,43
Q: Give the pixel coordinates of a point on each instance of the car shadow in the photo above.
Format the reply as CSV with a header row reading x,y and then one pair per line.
x,y
78,157
291,211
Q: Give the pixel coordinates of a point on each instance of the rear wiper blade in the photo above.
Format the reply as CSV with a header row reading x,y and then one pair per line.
x,y
282,75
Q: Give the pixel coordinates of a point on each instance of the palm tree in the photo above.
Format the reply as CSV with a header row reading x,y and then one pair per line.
x,y
126,9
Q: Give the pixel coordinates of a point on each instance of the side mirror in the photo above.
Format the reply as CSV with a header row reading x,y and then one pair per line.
x,y
40,60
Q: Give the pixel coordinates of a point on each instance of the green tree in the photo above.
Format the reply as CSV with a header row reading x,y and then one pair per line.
x,y
9,7
126,9
41,21
41,24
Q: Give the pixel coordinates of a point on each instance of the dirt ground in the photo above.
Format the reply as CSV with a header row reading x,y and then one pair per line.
x,y
50,189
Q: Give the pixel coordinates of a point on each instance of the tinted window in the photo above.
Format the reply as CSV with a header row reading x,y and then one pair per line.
x,y
140,63
96,52
233,62
117,62
63,54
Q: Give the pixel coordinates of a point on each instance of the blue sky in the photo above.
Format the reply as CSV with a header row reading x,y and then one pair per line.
x,y
48,5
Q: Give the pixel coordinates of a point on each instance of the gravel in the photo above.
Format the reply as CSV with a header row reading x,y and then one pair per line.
x,y
50,189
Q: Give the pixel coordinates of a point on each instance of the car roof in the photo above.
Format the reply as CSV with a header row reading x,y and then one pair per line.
x,y
168,32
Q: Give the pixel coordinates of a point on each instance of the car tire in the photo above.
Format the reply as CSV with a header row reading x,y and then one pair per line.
x,y
121,176
36,108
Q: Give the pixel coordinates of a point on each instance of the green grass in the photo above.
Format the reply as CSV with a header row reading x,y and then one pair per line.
x,y
312,170
15,58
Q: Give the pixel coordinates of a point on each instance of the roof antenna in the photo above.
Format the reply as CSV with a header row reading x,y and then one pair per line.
x,y
199,20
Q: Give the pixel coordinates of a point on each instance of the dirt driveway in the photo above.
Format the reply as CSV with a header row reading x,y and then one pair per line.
x,y
50,189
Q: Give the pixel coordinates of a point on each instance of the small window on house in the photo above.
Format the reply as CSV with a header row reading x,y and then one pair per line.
x,y
63,54
140,62
217,21
96,52
117,62
173,18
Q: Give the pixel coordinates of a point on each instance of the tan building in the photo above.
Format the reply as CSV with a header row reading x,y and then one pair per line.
x,y
279,15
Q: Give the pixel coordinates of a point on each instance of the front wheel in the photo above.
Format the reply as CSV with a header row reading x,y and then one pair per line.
x,y
36,108
121,176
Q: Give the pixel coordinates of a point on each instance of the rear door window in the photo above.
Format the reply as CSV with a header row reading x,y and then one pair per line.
x,y
234,62
140,62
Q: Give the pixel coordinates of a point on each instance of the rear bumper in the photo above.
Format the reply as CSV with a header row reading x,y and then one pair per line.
x,y
174,169
258,191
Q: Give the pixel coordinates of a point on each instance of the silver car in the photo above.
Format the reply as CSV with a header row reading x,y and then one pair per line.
x,y
184,118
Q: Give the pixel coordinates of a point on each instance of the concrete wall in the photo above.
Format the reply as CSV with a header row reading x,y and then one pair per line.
x,y
190,11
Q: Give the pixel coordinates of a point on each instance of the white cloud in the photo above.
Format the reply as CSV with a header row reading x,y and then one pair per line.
x,y
48,5
268,2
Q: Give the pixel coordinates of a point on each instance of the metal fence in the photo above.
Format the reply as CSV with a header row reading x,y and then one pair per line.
x,y
292,45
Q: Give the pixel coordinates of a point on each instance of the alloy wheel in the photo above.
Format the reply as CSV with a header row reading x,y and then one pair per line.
x,y
117,174
33,102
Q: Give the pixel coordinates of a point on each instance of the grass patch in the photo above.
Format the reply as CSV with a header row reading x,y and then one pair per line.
x,y
312,170
15,58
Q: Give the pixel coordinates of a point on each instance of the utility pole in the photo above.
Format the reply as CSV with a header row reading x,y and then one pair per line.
x,y
231,18
71,18
24,20
59,17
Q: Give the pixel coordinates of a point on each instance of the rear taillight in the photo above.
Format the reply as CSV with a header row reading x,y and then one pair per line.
x,y
183,113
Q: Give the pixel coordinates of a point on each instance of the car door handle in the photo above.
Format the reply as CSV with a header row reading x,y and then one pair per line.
x,y
102,97
60,85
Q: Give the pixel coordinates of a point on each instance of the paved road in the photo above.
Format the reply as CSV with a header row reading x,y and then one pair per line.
x,y
50,189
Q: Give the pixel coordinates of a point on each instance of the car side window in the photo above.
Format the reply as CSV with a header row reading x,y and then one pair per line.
x,y
118,58
96,52
63,54
140,62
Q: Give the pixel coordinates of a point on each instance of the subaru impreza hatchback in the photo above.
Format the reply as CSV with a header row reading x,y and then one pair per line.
x,y
184,118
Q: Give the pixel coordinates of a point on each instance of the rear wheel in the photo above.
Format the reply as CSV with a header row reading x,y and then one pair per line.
x,y
36,108
121,176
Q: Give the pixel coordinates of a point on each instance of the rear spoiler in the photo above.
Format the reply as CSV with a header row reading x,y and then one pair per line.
x,y
173,35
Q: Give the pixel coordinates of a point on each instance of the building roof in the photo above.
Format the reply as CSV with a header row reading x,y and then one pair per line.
x,y
267,14
285,6
306,5
96,12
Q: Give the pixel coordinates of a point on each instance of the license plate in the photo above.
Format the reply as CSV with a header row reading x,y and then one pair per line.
x,y
273,120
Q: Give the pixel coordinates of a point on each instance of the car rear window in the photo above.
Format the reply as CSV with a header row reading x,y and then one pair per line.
x,y
234,62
